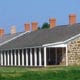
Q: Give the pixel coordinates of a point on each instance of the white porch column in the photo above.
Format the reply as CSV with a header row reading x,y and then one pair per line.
x,y
66,56
22,57
8,57
31,57
5,58
44,56
15,58
1,58
26,57
18,57
11,58
56,55
35,56
40,61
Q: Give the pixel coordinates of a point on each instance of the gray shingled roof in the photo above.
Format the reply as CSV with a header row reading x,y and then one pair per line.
x,y
8,37
44,36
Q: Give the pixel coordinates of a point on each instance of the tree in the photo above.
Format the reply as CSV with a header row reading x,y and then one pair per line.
x,y
45,26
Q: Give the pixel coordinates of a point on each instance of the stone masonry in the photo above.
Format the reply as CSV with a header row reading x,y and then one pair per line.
x,y
74,52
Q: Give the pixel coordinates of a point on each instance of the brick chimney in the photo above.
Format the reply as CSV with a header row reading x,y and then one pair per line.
x,y
34,26
27,26
72,19
1,32
52,22
13,29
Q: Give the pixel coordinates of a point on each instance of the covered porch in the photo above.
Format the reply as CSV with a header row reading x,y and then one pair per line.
x,y
33,57
30,57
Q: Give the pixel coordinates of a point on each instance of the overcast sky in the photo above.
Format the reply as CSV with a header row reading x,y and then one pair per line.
x,y
17,12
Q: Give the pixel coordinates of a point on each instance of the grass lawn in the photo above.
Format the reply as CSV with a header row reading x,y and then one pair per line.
x,y
49,73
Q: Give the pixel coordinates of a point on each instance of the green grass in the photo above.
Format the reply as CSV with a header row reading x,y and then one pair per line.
x,y
49,73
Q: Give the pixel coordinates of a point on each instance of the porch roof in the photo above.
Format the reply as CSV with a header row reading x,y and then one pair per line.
x,y
43,36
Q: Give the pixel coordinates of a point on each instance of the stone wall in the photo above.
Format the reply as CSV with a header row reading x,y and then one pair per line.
x,y
74,52
63,61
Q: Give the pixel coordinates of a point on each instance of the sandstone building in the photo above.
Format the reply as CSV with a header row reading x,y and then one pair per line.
x,y
58,45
